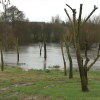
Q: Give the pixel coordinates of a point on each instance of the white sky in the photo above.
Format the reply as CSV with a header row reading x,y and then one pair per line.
x,y
43,10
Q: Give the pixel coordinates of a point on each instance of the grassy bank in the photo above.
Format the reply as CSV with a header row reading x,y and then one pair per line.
x,y
16,84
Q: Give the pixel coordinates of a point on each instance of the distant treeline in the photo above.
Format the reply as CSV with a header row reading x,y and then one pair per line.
x,y
17,26
32,32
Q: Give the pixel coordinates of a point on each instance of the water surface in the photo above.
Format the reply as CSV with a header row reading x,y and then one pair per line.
x,y
30,57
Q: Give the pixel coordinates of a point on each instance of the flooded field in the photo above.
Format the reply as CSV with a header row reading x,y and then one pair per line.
x,y
30,57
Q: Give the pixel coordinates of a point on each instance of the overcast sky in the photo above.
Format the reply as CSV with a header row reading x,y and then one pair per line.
x,y
43,10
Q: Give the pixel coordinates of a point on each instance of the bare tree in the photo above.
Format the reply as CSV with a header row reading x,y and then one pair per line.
x,y
76,24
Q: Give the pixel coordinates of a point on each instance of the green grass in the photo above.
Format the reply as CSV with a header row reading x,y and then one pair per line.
x,y
16,84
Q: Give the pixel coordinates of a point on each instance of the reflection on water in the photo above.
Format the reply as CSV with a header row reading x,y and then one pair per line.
x,y
30,57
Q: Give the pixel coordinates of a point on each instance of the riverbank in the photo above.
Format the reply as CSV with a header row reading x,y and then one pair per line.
x,y
17,84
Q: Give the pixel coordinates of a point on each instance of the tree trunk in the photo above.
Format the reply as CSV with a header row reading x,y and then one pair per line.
x,y
69,57
2,63
85,72
81,68
65,71
70,68
76,29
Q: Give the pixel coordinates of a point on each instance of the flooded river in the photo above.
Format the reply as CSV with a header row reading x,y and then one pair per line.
x,y
30,57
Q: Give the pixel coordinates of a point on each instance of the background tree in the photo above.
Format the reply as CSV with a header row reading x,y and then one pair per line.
x,y
90,31
14,14
56,19
15,18
36,30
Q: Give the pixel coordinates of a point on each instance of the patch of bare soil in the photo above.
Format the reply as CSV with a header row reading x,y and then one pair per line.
x,y
14,94
53,85
93,79
15,85
35,97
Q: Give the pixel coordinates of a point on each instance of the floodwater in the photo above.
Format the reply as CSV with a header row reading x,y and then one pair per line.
x,y
29,57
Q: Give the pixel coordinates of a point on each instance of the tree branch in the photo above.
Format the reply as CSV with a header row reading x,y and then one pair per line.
x,y
79,19
74,17
98,55
87,59
69,7
68,16
89,15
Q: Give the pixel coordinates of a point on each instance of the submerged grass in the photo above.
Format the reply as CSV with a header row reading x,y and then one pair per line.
x,y
17,84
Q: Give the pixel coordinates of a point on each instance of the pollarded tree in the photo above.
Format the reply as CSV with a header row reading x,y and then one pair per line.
x,y
76,25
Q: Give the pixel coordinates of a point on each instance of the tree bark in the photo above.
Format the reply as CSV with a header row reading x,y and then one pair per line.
x,y
65,71
70,59
81,68
2,63
85,72
71,68
86,61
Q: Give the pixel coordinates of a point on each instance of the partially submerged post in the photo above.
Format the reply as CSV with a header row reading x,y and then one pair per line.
x,y
40,46
16,44
45,52
44,41
45,55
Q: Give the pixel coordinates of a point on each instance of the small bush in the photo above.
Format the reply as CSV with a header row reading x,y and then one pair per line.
x,y
56,66
47,71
